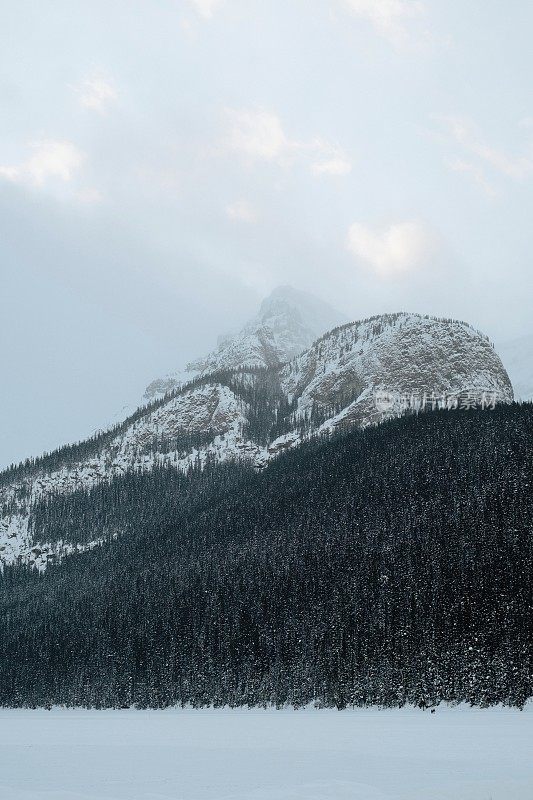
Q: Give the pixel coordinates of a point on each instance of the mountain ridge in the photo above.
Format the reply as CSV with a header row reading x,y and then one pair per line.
x,y
252,413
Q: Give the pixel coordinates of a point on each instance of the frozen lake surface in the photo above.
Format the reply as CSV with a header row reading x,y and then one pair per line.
x,y
407,754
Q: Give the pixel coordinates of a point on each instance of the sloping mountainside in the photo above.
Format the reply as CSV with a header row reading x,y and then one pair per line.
x,y
288,322
356,375
386,566
517,356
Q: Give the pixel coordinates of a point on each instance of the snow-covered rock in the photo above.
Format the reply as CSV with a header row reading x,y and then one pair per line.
x,y
206,420
375,368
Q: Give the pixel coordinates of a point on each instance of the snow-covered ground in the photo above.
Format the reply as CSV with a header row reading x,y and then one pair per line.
x,y
456,753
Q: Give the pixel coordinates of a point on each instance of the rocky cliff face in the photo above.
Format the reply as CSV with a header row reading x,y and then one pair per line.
x,y
245,404
375,368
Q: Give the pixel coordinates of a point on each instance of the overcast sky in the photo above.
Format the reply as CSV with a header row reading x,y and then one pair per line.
x,y
165,163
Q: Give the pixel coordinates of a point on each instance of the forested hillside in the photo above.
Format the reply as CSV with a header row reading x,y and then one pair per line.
x,y
389,565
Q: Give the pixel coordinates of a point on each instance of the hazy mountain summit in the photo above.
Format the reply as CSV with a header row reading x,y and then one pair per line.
x,y
287,323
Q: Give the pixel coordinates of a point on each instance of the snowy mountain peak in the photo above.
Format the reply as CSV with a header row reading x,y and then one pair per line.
x,y
287,323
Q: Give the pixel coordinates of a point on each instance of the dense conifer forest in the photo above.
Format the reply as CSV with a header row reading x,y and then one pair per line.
x,y
387,566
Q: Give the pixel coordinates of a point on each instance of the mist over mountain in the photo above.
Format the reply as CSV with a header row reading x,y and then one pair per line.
x,y
517,355
287,323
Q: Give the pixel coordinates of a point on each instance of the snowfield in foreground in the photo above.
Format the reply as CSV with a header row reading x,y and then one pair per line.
x,y
407,754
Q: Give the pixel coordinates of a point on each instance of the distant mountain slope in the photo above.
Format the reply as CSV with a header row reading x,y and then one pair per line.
x,y
288,322
356,375
386,566
517,355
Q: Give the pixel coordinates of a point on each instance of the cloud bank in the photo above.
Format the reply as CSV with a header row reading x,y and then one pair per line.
x,y
390,251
